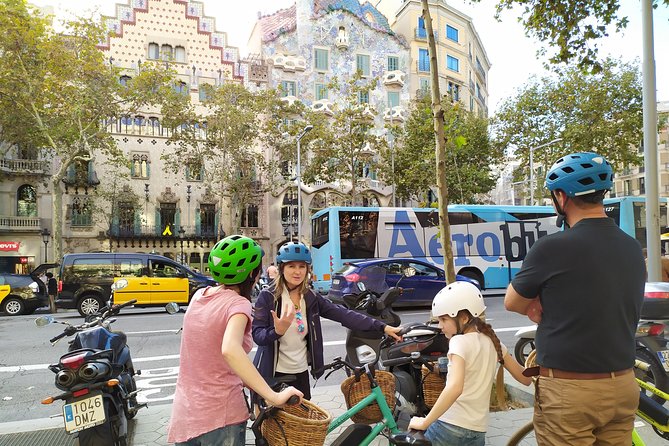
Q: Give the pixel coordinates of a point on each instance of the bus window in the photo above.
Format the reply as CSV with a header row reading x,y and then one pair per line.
x,y
320,230
357,234
613,211
639,210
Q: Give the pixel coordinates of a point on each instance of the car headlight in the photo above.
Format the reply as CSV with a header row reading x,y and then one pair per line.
x,y
34,287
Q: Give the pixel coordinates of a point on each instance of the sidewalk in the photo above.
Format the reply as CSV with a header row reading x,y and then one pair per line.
x,y
149,428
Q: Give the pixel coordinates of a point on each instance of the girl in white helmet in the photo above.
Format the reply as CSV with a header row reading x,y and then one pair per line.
x,y
460,414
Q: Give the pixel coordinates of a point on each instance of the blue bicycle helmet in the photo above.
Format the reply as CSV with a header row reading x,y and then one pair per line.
x,y
579,174
293,252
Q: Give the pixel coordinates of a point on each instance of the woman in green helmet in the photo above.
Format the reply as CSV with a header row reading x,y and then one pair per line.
x,y
209,406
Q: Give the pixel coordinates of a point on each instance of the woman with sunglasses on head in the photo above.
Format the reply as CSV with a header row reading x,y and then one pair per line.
x,y
287,321
209,407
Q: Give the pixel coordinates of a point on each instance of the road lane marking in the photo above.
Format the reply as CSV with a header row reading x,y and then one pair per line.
x,y
28,367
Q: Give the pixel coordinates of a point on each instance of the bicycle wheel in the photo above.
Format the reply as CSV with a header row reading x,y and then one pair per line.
x,y
520,435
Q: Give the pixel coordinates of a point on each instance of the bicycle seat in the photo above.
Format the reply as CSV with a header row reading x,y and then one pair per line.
x,y
413,438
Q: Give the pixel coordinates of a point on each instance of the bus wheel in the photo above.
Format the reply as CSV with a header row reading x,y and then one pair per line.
x,y
472,274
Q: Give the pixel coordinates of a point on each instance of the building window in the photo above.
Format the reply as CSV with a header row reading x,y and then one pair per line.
x,y
362,64
250,216
154,51
642,185
424,84
451,33
208,220
153,126
81,212
204,92
393,63
166,52
421,33
168,212
452,63
138,124
289,212
423,60
180,54
181,88
321,62
363,97
321,91
26,201
124,80
393,99
140,166
454,91
288,88
126,219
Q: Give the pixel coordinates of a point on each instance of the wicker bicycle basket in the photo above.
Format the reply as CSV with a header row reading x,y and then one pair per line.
x,y
433,384
354,392
305,424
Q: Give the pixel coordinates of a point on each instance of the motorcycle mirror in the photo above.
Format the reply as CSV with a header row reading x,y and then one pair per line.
x,y
365,354
361,286
172,307
44,320
119,284
409,271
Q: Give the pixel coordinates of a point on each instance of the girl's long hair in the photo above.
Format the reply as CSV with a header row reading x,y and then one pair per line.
x,y
280,283
246,287
486,329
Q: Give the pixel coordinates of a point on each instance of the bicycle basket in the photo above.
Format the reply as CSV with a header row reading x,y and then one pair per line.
x,y
354,392
304,424
433,384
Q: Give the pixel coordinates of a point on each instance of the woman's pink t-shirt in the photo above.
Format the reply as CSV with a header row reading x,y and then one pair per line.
x,y
208,394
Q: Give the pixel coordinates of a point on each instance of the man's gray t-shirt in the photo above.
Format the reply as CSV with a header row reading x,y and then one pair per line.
x,y
590,279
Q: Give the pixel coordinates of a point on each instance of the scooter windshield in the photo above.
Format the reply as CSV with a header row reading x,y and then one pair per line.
x,y
374,278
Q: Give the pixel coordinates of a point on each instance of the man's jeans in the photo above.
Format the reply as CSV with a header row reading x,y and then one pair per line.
x,y
448,434
233,435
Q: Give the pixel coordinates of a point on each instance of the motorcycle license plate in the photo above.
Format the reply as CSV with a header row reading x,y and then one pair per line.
x,y
663,356
84,414
335,281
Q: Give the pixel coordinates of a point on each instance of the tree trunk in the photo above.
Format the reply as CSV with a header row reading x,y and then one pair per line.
x,y
440,147
57,215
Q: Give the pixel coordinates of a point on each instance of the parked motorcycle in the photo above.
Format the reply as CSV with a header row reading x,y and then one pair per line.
x,y
263,283
375,299
97,377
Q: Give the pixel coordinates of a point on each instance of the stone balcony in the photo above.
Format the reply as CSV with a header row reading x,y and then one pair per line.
x,y
19,224
25,167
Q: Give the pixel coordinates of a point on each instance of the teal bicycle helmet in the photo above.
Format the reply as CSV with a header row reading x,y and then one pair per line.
x,y
580,174
233,258
293,252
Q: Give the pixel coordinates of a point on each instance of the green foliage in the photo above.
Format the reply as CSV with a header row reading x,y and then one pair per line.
x,y
598,112
470,156
571,27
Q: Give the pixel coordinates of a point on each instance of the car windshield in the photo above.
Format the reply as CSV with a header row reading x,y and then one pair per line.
x,y
374,278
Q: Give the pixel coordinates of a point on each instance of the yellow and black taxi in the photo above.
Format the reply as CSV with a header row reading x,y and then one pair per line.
x,y
23,293
85,280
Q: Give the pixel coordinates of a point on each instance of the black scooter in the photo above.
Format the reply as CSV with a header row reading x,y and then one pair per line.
x,y
375,299
97,378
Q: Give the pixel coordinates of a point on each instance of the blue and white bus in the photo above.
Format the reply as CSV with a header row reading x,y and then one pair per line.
x,y
630,214
489,242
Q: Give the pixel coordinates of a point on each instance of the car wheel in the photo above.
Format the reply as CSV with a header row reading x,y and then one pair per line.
x,y
14,306
89,305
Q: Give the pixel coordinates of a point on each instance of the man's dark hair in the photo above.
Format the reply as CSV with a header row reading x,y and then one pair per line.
x,y
596,197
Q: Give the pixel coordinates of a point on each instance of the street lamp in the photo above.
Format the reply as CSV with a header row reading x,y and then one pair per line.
x,y
306,130
532,149
182,231
45,238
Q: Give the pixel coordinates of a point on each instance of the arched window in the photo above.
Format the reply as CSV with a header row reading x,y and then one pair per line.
x,y
154,51
123,80
180,54
26,201
140,166
166,52
181,88
140,122
250,216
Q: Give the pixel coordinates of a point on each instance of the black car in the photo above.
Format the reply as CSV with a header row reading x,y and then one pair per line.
x,y
85,280
23,293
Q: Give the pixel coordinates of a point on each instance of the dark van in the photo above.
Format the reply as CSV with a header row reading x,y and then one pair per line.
x,y
86,279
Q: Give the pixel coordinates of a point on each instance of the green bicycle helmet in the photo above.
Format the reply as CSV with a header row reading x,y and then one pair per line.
x,y
233,258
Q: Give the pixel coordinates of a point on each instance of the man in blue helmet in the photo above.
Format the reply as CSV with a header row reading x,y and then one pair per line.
x,y
584,287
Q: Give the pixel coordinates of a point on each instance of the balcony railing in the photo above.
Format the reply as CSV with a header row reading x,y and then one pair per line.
x,y
421,34
11,223
21,166
423,66
152,231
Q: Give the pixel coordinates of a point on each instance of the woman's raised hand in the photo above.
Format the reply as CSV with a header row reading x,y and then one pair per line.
x,y
281,324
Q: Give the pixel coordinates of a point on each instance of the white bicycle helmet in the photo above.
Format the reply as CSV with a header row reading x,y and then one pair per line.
x,y
458,296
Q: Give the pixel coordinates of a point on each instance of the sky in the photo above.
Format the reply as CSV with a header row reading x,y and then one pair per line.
x,y
512,54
